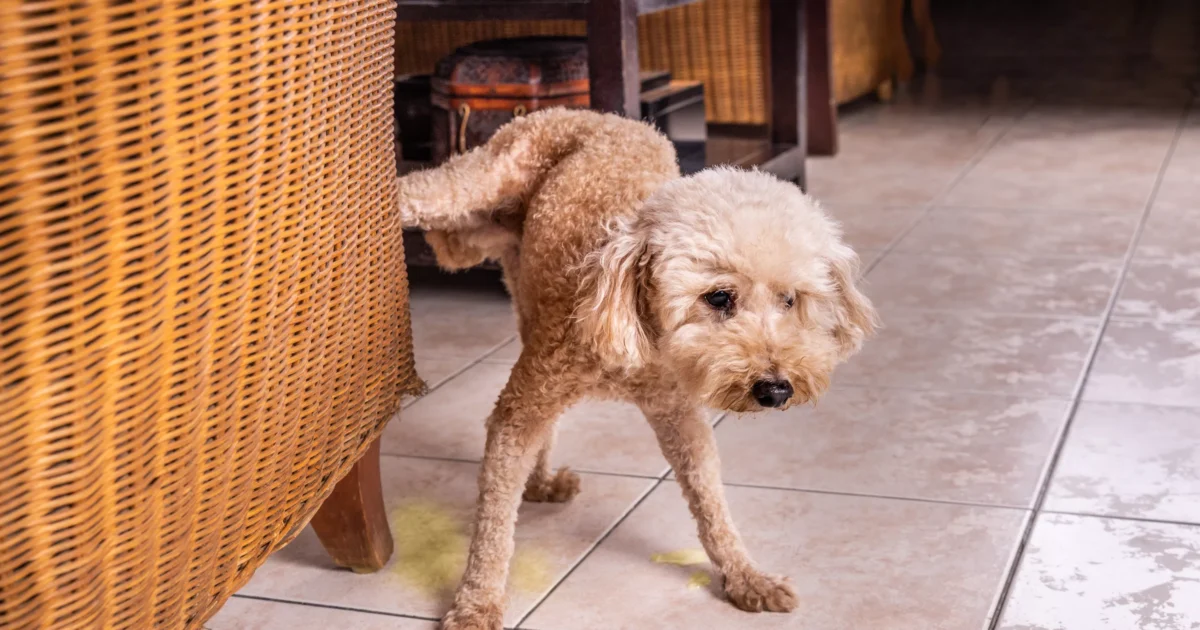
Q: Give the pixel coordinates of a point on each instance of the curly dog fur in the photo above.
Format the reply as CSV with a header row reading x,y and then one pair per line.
x,y
728,289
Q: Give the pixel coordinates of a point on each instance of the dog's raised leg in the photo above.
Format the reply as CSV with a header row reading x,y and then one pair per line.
x,y
517,430
546,485
686,439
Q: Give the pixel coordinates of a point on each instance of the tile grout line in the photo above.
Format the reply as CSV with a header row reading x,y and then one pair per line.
x,y
868,495
1060,443
592,548
460,460
295,602
928,207
453,375
1131,519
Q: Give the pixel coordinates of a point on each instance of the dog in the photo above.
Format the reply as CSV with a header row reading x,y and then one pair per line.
x,y
728,289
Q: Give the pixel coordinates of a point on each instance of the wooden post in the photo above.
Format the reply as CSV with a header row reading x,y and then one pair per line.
x,y
822,109
613,56
787,65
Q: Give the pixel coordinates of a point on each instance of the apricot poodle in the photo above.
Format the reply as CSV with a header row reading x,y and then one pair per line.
x,y
728,289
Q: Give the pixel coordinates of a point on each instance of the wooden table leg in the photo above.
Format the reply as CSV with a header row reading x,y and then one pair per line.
x,y
787,67
352,523
613,56
822,109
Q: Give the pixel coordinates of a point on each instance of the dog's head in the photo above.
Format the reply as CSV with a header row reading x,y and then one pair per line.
x,y
732,280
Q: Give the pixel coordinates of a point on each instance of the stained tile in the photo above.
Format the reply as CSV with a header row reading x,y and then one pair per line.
x,y
251,614
1136,461
873,228
1166,290
955,447
1103,574
1147,362
1044,286
1170,234
856,562
955,231
459,323
1027,356
551,537
598,436
1039,190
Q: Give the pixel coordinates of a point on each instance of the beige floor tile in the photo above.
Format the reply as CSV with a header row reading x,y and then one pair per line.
x,y
1082,573
552,537
1026,356
1083,152
1170,234
873,228
905,186
435,371
597,436
1165,290
1135,461
975,448
1179,192
1147,362
449,421
1039,190
460,323
251,614
1041,286
991,232
856,563
507,353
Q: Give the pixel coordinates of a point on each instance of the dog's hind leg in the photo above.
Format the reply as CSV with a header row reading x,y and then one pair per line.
x,y
536,394
548,486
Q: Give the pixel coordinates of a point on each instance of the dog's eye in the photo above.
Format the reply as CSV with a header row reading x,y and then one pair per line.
x,y
720,300
789,301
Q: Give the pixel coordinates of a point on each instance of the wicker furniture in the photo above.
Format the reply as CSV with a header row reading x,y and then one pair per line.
x,y
203,303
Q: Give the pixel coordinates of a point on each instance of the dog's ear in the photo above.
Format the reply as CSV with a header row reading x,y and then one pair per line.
x,y
610,312
855,317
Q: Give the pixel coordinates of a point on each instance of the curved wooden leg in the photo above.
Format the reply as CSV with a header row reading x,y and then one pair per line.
x,y
352,523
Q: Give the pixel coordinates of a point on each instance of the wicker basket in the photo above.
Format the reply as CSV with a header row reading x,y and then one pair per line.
x,y
203,303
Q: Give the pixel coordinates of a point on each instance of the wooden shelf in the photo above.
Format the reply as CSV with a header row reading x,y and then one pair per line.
x,y
472,10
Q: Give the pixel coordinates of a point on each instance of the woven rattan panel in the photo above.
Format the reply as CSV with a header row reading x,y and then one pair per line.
x,y
203,304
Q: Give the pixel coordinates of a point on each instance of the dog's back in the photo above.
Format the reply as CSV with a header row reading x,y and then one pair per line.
x,y
544,186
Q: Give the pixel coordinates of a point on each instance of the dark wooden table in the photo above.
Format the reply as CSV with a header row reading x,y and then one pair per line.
x,y
796,61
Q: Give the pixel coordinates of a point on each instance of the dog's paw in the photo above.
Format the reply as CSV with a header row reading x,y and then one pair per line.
x,y
474,618
560,488
753,591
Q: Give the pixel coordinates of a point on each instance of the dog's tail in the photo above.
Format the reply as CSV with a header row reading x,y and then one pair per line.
x,y
468,190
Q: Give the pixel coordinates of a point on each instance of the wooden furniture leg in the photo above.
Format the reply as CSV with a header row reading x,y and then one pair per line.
x,y
613,56
787,67
352,523
822,109
924,20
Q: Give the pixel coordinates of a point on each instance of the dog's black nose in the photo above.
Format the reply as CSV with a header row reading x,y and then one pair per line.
x,y
772,393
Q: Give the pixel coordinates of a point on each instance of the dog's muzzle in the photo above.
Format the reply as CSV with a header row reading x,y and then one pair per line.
x,y
772,393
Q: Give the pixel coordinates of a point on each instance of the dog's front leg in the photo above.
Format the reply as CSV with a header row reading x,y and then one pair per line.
x,y
518,428
687,441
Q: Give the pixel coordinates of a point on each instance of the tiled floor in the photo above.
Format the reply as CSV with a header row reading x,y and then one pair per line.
x,y
1019,449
